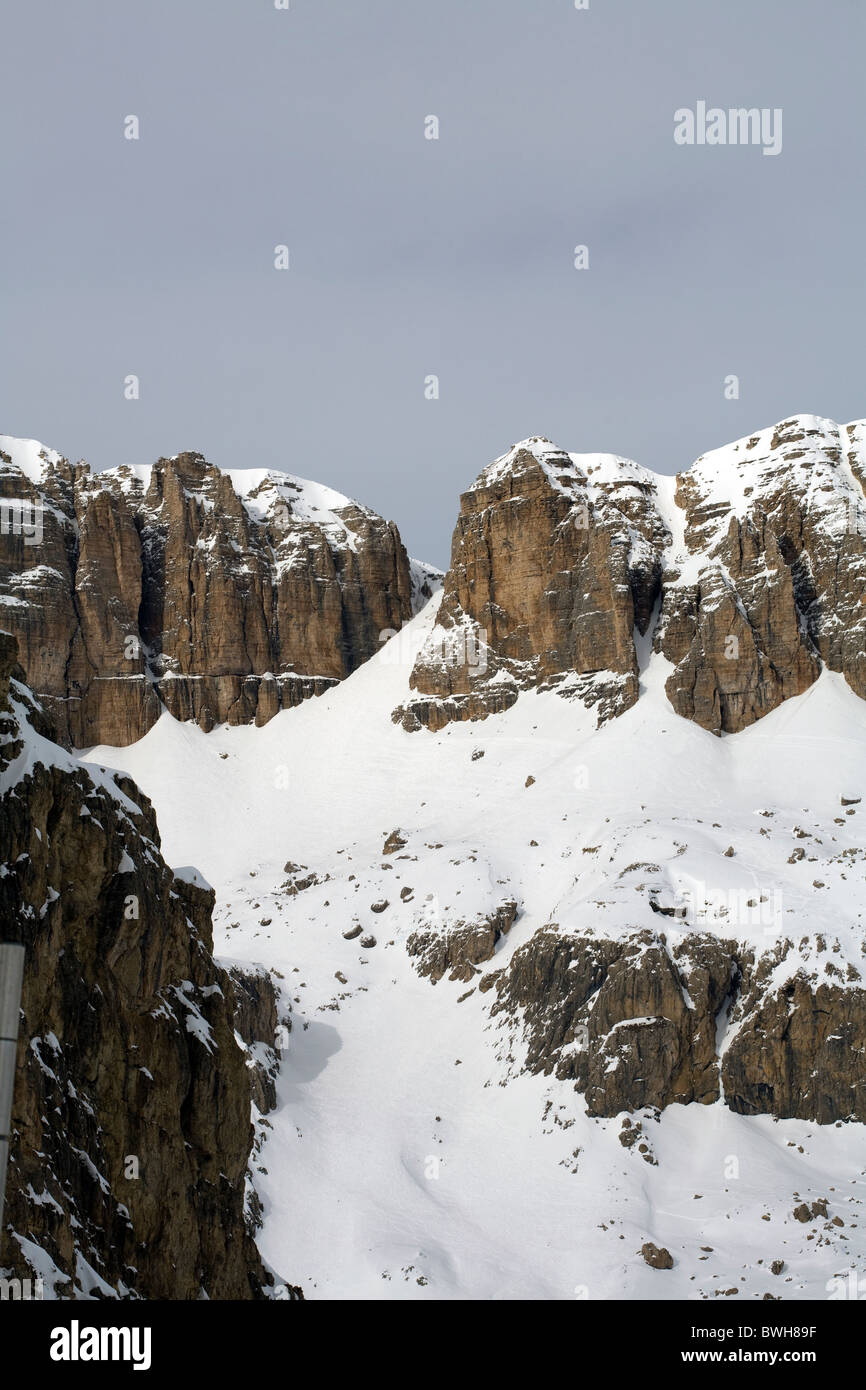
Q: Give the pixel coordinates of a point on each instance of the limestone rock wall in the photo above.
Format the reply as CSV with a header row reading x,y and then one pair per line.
x,y
131,1117
650,1020
555,560
747,572
772,579
221,597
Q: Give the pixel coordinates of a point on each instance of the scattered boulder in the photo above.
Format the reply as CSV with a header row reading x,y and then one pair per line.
x,y
657,1258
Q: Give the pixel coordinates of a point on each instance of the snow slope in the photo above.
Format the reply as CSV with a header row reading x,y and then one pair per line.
x,y
408,1157
28,455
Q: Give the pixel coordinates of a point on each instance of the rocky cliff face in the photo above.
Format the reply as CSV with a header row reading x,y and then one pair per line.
x,y
555,560
727,589
652,1019
768,583
131,1117
640,1018
220,596
754,560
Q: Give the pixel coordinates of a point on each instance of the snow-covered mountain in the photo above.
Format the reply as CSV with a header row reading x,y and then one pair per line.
x,y
430,1140
577,1002
561,993
746,571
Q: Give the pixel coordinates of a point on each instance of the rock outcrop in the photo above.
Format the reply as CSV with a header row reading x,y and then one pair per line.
x,y
131,1117
797,1046
648,1020
755,557
256,1020
555,560
771,580
458,950
219,596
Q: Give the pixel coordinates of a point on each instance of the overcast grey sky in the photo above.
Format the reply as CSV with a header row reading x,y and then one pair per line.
x,y
411,257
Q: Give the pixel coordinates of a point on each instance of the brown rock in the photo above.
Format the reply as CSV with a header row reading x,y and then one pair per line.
x,y
639,1044
657,1258
796,1051
131,1115
256,1021
174,592
779,585
461,946
613,1017
556,560
547,577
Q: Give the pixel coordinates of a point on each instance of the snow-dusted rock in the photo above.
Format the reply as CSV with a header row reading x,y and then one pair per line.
x,y
747,572
131,1115
222,597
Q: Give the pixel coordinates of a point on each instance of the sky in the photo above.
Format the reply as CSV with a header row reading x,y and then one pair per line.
x,y
411,258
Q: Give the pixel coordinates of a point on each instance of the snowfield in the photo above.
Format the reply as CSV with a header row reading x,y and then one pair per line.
x,y
408,1156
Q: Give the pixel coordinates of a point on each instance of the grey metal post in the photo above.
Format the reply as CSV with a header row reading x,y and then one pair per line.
x,y
11,977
